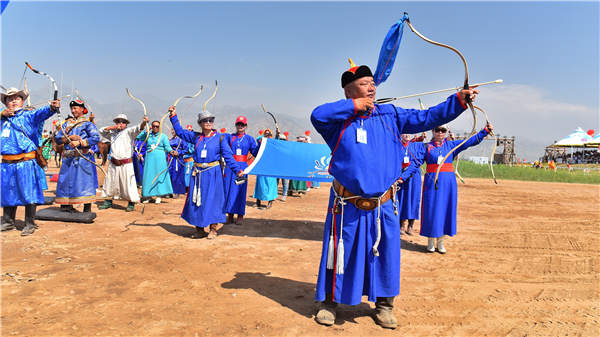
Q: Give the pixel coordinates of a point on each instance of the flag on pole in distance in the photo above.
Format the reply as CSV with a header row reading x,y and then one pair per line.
x,y
292,160
3,5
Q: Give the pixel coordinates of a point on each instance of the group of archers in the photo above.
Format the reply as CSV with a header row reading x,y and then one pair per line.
x,y
376,170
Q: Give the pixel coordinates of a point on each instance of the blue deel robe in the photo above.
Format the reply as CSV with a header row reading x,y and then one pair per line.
x,y
155,162
235,195
438,213
78,178
138,164
177,166
368,170
409,195
188,161
21,183
212,207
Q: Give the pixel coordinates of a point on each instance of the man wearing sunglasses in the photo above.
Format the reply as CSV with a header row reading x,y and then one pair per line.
x,y
242,145
366,164
205,203
120,176
156,181
438,218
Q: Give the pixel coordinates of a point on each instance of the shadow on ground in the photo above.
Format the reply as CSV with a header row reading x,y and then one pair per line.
x,y
295,295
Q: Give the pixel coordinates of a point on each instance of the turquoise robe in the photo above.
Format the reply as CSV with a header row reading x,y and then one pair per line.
x,y
155,162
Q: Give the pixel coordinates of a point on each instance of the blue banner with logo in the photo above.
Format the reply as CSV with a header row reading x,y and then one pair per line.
x,y
292,160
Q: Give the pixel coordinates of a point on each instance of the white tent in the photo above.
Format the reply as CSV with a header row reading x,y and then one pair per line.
x,y
576,139
594,141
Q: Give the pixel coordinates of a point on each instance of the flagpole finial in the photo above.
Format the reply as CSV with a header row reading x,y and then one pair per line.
x,y
352,65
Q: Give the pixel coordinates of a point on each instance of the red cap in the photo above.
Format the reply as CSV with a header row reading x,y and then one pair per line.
x,y
307,132
223,130
260,132
286,133
189,126
241,119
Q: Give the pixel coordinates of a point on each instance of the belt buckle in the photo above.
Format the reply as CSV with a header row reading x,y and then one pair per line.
x,y
203,165
366,204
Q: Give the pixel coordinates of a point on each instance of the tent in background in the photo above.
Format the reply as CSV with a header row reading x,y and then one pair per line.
x,y
576,139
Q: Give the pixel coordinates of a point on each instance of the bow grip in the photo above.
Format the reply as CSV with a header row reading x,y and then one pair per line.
x,y
467,98
55,95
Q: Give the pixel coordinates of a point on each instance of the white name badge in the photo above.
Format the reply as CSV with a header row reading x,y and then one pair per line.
x,y
406,160
6,133
238,152
440,158
203,154
361,135
153,146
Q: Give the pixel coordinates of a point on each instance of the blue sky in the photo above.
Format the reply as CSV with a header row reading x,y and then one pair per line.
x,y
290,56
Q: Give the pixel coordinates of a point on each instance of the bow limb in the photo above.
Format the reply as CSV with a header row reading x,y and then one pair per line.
x,y
212,96
55,87
272,116
168,164
391,99
491,161
175,105
465,87
48,76
147,128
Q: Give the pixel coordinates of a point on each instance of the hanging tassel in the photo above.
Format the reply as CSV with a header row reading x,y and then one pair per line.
x,y
330,251
340,257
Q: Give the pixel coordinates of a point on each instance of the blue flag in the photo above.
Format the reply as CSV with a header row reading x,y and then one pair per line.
x,y
3,5
292,160
388,52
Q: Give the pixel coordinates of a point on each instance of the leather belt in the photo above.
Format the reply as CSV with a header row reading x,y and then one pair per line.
x,y
240,158
204,165
189,159
446,167
365,204
120,162
17,158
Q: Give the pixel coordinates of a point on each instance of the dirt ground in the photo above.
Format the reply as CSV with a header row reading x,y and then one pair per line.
x,y
525,261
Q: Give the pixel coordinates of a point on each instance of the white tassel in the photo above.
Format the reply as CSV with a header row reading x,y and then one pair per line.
x,y
330,251
194,191
340,257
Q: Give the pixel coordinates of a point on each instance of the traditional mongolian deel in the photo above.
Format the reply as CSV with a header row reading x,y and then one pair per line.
x,y
205,201
120,178
155,162
177,165
21,176
367,161
409,195
438,216
138,163
241,145
78,178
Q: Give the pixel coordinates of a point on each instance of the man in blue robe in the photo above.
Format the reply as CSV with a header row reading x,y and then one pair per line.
x,y
78,178
362,215
21,178
241,145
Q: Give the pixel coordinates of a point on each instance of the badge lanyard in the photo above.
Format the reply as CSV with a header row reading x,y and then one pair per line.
x,y
238,149
361,134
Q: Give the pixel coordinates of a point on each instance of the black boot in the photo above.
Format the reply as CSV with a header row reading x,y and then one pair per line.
x,y
384,315
87,208
30,226
258,205
326,314
8,218
67,208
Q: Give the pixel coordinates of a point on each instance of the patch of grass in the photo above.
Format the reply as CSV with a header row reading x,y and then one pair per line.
x,y
468,169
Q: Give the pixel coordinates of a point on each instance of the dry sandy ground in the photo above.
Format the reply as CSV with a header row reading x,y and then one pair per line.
x,y
525,262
